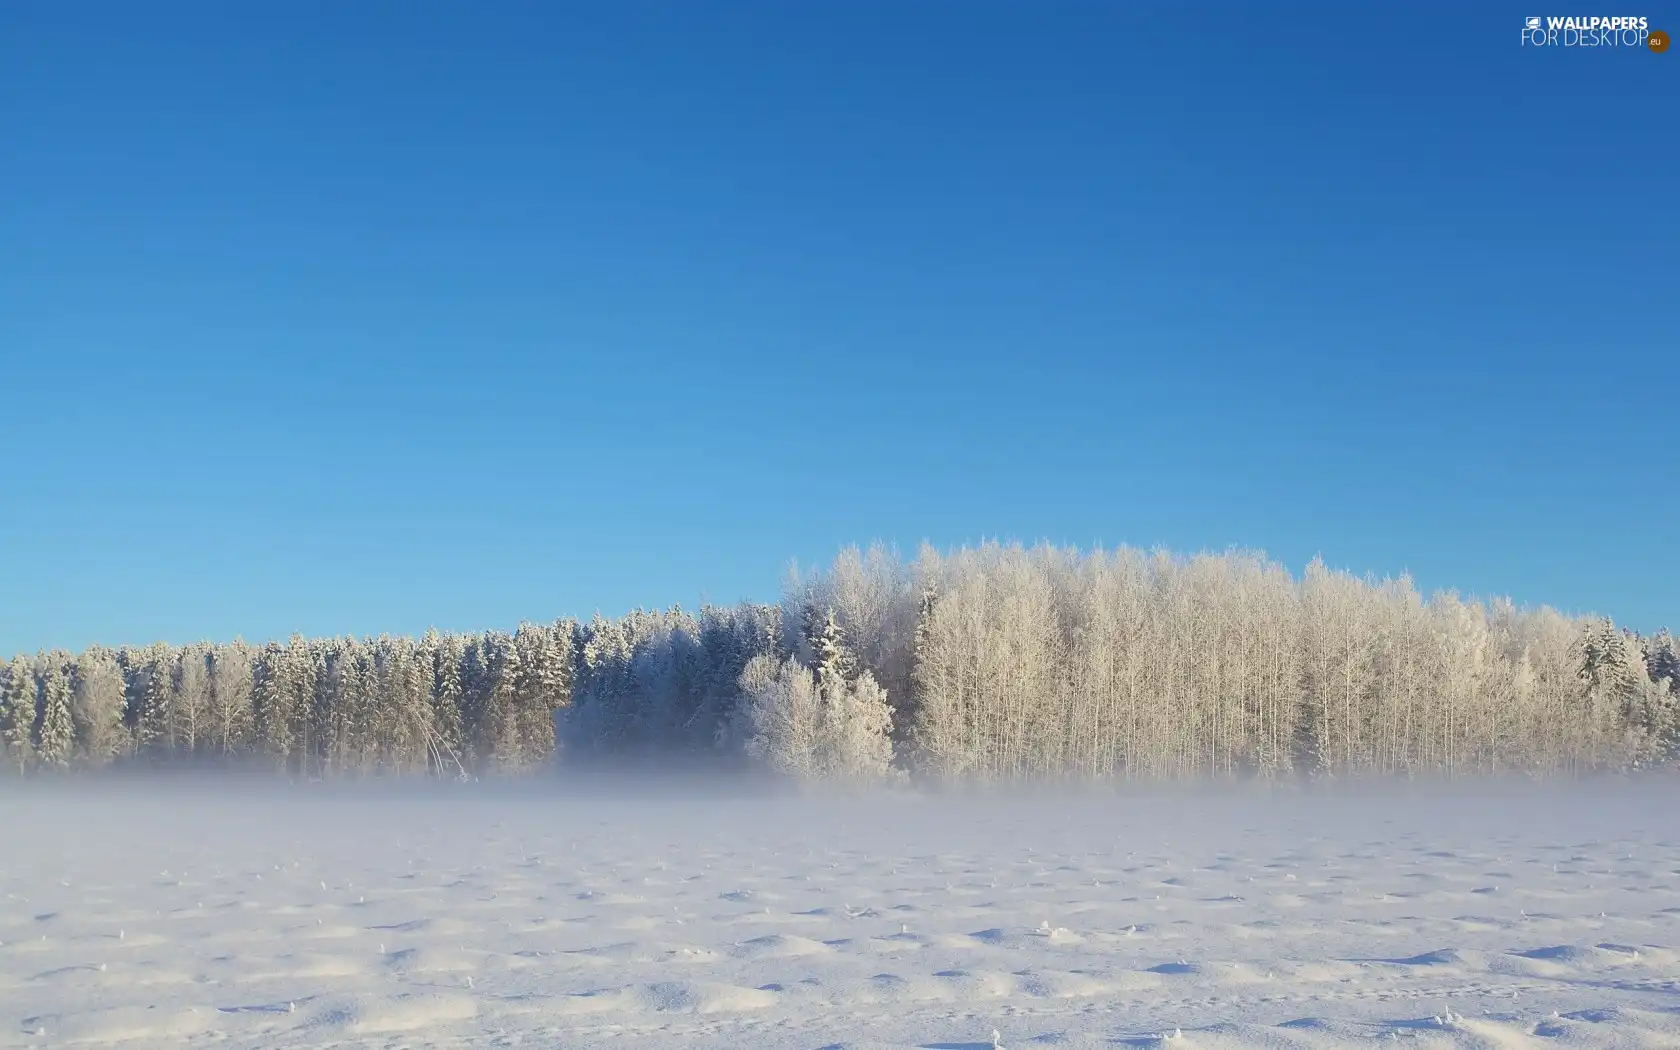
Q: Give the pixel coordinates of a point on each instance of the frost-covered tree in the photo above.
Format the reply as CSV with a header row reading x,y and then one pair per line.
x,y
149,673
824,641
994,662
729,639
190,711
401,708
782,711
345,712
1662,658
873,596
854,740
831,721
855,729
97,699
284,687
446,745
17,713
543,688
1616,690
1662,669
55,728
490,711
230,714
271,700
645,682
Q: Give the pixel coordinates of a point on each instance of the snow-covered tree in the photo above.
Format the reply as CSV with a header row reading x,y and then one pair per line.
x,y
829,656
283,699
782,711
1662,658
150,673
543,688
18,697
230,714
447,744
829,722
97,698
729,639
993,662
490,709
271,700
402,709
190,711
1617,691
855,730
55,730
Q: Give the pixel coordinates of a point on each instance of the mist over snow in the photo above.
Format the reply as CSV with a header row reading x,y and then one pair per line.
x,y
694,914
998,796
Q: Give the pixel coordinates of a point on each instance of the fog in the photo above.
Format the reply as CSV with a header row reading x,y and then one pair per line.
x,y
734,912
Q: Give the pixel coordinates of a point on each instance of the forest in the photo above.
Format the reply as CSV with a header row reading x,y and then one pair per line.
x,y
997,662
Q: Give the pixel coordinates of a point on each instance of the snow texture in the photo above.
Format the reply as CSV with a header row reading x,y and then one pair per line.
x,y
478,916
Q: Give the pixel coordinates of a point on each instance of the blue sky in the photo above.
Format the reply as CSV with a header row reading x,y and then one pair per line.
x,y
360,318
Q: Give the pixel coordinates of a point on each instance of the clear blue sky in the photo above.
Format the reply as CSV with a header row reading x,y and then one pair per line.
x,y
368,317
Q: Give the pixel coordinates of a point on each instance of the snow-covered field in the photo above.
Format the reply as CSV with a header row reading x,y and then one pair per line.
x,y
198,916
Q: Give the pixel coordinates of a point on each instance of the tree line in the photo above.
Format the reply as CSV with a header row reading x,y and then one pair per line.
x,y
996,662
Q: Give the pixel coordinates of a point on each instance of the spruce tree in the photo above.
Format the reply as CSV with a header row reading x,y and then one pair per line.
x,y
271,704
151,693
830,657
1619,694
447,745
402,704
856,731
1662,659
55,731
544,688
1662,666
500,725
17,714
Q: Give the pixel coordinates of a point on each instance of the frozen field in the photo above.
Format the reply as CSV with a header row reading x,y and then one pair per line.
x,y
1494,919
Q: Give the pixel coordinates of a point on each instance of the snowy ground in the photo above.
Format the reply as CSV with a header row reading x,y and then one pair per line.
x,y
180,918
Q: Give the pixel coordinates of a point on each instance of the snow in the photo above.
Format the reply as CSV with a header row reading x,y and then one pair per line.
x,y
202,915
